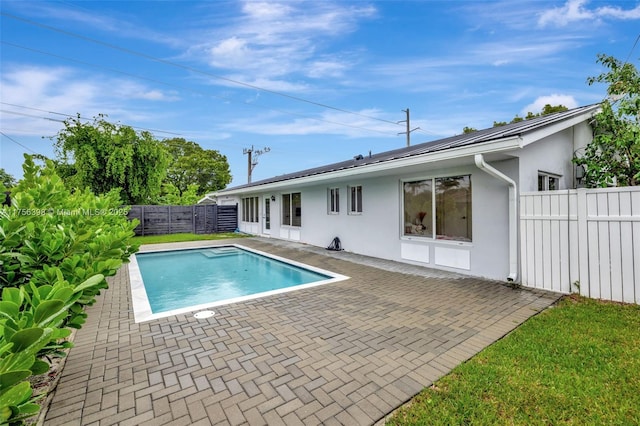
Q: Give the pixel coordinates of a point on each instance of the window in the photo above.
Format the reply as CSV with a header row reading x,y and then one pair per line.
x,y
449,198
355,199
292,209
548,182
333,200
250,209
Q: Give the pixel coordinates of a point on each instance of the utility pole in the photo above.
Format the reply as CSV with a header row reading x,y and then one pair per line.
x,y
409,130
252,160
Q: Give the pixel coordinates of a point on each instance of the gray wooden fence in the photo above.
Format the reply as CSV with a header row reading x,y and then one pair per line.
x,y
197,219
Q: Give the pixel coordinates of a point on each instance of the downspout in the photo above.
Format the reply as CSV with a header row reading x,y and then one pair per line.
x,y
513,214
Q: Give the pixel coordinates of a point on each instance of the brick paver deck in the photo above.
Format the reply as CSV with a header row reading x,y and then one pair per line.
x,y
344,353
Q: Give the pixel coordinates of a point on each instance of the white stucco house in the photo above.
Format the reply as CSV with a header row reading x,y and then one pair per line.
x,y
450,204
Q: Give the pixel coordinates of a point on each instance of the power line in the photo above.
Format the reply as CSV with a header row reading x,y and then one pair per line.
x,y
30,115
188,68
69,115
226,99
632,49
18,143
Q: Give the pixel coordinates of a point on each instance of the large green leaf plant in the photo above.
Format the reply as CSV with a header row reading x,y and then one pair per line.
x,y
57,246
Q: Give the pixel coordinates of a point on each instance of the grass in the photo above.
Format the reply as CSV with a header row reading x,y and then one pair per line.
x,y
575,364
177,238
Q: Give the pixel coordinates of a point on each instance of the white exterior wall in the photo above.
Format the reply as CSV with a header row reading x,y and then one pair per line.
x,y
377,231
553,155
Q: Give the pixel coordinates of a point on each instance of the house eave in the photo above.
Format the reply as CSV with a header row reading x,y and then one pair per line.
x,y
501,145
557,127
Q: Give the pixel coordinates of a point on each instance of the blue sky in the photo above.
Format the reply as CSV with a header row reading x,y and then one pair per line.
x,y
315,81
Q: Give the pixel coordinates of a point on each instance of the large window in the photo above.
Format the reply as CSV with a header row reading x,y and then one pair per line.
x,y
333,200
292,209
250,209
355,199
440,203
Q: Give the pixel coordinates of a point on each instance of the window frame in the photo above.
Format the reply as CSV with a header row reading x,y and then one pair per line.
x,y
250,212
546,179
333,200
291,213
435,222
354,205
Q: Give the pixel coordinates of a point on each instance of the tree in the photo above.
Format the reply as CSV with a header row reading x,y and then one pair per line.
x,y
190,164
546,110
107,156
613,157
7,180
171,197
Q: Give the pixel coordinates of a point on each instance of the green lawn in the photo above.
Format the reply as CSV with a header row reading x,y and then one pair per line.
x,y
575,364
177,238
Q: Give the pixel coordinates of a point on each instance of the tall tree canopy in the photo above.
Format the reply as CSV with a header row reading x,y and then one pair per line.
x,y
190,164
107,156
613,157
6,179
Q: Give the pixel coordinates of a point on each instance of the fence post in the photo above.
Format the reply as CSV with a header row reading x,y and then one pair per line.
x,y
583,243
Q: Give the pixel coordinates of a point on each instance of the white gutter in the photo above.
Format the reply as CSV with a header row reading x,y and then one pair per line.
x,y
513,214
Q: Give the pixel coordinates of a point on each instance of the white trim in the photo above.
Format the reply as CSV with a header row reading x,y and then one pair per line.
x,y
351,211
557,127
333,194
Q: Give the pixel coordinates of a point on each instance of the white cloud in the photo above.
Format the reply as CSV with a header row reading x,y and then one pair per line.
x,y
477,63
522,51
329,123
553,100
37,98
274,40
577,10
123,25
328,68
265,10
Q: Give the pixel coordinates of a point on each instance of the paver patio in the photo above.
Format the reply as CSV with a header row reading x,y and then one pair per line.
x,y
344,353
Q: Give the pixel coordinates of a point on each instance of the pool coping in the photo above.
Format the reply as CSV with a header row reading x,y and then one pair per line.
x,y
142,311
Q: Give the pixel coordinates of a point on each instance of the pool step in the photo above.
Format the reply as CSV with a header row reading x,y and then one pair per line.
x,y
221,251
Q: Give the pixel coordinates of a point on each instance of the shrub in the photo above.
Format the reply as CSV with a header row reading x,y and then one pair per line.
x,y
57,248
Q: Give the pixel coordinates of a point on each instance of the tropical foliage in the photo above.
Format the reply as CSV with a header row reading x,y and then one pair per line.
x,y
546,110
56,249
190,164
613,157
6,179
106,156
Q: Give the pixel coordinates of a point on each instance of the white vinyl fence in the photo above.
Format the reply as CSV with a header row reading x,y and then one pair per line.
x,y
583,240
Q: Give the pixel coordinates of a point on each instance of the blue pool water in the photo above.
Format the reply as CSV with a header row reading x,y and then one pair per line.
x,y
183,278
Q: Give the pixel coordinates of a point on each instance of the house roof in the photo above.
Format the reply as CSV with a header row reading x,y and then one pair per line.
x,y
513,130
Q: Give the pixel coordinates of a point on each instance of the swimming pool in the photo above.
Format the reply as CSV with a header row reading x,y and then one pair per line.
x,y
171,282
